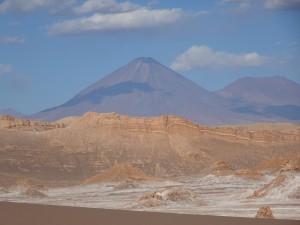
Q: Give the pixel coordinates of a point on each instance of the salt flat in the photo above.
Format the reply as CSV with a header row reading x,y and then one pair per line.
x,y
206,195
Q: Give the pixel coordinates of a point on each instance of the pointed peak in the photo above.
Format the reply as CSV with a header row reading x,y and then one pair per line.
x,y
146,60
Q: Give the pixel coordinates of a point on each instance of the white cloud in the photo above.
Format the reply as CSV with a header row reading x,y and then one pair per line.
x,y
11,40
282,4
105,5
27,6
204,57
137,19
5,68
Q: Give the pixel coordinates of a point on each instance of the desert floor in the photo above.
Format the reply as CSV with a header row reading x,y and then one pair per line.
x,y
35,214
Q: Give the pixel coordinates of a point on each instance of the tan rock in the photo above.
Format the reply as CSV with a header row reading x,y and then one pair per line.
x,y
264,212
34,193
167,196
276,182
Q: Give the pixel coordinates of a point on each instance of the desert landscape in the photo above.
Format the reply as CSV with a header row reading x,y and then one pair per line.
x,y
149,112
158,164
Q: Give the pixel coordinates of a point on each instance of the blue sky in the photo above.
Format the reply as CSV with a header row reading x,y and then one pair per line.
x,y
52,49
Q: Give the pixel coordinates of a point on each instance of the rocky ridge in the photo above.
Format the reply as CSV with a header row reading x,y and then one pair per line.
x,y
9,122
75,149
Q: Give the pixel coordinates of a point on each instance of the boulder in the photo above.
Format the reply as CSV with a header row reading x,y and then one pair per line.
x,y
264,212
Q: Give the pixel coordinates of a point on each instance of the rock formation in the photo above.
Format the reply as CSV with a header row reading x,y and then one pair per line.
x,y
278,181
167,196
33,193
264,212
78,148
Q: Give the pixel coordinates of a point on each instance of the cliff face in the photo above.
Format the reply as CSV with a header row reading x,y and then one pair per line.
x,y
165,146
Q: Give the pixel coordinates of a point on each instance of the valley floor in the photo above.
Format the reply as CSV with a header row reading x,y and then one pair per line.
x,y
34,214
228,195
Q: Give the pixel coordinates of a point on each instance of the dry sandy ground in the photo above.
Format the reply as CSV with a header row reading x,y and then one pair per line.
x,y
230,195
34,214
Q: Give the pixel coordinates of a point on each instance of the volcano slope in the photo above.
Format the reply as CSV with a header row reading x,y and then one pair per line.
x,y
145,87
76,148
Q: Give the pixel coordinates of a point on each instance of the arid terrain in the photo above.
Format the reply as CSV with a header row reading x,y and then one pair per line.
x,y
165,164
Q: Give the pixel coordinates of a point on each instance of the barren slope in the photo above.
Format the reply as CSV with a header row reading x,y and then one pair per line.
x,y
164,146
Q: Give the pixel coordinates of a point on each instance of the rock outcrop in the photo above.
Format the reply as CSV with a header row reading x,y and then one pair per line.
x,y
167,196
262,192
264,212
33,193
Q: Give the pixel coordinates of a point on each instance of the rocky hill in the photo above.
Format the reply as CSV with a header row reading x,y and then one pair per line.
x,y
166,146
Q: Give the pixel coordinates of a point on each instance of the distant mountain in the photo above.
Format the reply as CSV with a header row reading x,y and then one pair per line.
x,y
273,97
12,112
144,87
274,90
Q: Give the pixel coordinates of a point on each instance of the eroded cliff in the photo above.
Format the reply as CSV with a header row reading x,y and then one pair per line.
x,y
166,146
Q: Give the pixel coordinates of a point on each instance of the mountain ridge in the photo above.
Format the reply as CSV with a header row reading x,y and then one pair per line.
x,y
271,97
12,112
145,87
257,90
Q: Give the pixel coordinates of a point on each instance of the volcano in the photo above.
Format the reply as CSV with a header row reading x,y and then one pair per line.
x,y
144,87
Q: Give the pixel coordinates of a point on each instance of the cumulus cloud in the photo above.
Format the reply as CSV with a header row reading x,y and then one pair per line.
x,y
5,68
282,4
11,40
105,5
27,6
137,19
204,57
